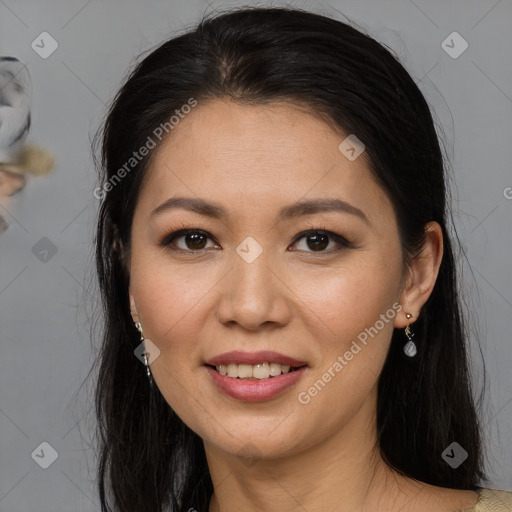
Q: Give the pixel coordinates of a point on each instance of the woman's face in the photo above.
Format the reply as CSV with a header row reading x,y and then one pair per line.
x,y
247,283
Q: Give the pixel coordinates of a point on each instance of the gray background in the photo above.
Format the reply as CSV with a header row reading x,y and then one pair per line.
x,y
47,307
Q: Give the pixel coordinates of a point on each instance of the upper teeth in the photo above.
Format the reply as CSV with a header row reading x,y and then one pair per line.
x,y
256,371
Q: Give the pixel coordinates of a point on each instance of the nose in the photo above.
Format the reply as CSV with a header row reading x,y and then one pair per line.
x,y
254,294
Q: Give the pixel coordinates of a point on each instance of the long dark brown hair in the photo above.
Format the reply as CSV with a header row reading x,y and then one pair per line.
x,y
149,459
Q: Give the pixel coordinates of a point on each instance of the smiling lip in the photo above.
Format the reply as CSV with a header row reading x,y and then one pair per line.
x,y
254,390
252,358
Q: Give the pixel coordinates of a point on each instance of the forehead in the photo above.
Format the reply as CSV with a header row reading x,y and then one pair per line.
x,y
274,136
257,157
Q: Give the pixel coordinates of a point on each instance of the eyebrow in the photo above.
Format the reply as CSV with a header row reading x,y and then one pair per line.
x,y
299,209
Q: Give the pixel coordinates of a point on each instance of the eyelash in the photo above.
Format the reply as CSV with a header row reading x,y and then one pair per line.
x,y
342,242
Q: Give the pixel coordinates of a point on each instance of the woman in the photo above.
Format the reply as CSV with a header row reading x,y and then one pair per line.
x,y
272,243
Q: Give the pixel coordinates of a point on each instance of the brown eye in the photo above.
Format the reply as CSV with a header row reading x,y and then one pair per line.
x,y
318,241
193,240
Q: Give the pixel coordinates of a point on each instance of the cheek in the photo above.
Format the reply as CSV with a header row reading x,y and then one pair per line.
x,y
351,318
168,295
169,303
344,301
174,304
351,342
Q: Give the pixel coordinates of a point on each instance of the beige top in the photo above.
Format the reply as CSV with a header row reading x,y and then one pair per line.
x,y
492,500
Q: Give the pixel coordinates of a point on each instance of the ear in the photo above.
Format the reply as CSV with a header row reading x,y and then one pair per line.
x,y
421,275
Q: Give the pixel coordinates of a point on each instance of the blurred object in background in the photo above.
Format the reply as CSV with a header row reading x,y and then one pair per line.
x,y
17,158
15,99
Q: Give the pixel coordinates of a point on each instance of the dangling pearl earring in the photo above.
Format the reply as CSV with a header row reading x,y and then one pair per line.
x,y
410,347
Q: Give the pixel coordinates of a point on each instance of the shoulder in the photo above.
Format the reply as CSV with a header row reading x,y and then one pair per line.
x,y
493,500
